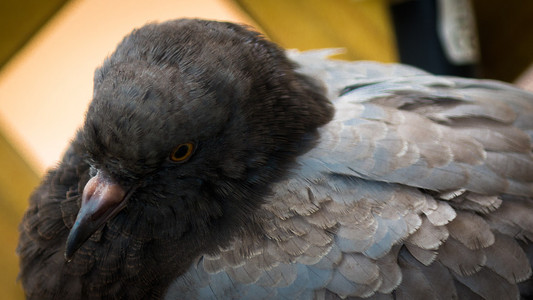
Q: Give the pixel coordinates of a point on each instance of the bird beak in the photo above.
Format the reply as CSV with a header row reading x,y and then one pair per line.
x,y
102,199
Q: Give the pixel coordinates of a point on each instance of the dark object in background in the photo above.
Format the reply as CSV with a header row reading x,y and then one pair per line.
x,y
420,43
505,37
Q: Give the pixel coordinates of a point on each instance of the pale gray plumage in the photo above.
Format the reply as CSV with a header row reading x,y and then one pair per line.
x,y
419,187
409,159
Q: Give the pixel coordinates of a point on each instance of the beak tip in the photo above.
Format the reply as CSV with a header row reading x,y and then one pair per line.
x,y
68,256
71,245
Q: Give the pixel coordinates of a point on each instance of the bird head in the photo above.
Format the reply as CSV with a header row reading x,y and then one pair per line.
x,y
191,122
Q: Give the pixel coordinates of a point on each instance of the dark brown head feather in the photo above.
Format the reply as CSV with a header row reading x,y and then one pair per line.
x,y
218,85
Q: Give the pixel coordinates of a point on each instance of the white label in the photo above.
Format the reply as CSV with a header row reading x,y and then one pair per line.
x,y
457,30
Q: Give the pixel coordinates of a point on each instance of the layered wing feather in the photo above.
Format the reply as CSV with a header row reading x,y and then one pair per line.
x,y
420,187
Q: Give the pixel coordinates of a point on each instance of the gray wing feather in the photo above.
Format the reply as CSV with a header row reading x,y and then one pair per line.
x,y
418,188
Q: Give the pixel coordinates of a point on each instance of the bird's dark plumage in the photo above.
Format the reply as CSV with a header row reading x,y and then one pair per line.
x,y
212,166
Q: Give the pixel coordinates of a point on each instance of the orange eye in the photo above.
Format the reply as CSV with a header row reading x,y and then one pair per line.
x,y
182,152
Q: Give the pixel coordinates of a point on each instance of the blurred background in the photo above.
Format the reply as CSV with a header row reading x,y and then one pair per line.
x,y
49,50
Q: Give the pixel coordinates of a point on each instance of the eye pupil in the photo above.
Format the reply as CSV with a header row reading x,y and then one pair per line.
x,y
181,152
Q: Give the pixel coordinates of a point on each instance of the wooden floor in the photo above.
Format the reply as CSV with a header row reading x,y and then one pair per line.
x,y
20,20
361,27
17,180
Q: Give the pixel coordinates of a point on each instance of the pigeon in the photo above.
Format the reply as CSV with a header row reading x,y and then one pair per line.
x,y
213,164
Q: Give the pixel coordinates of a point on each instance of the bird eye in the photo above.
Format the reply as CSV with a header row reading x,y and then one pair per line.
x,y
182,152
